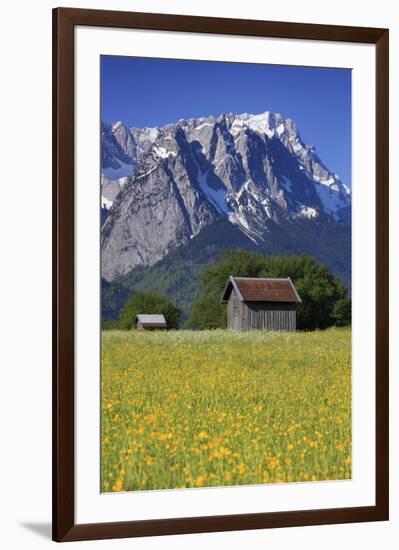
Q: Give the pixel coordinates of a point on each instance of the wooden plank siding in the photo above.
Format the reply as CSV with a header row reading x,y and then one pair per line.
x,y
269,316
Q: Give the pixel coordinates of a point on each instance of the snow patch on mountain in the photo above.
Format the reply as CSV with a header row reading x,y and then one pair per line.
x,y
331,198
122,171
217,197
110,189
308,212
117,125
203,125
239,218
105,203
162,152
265,123
141,176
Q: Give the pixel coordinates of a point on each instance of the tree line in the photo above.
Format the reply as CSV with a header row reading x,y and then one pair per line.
x,y
324,297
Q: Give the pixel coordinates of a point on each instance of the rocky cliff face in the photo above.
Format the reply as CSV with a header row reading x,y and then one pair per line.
x,y
164,185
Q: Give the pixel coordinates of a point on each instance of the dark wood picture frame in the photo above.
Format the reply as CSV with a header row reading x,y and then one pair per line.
x,y
64,22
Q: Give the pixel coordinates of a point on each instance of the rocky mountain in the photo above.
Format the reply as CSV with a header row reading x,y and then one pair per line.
x,y
123,148
162,187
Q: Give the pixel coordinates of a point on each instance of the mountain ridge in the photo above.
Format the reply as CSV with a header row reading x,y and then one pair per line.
x,y
252,170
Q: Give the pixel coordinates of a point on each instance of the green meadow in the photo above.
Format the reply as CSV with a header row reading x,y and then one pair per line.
x,y
215,407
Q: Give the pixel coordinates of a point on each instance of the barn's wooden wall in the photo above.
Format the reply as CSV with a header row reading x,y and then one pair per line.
x,y
236,312
276,316
270,316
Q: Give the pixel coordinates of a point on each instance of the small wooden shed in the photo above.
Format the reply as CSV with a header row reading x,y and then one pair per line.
x,y
261,304
150,322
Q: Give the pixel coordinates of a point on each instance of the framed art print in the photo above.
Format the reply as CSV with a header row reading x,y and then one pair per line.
x,y
220,274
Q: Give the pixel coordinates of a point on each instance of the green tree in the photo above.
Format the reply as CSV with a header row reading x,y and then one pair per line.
x,y
343,312
110,324
149,302
207,311
323,295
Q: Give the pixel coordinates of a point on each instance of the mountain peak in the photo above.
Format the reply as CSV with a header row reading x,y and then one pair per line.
x,y
118,125
250,169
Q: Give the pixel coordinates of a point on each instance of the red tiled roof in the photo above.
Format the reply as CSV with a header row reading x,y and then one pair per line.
x,y
266,290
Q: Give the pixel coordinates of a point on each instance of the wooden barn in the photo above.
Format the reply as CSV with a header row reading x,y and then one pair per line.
x,y
150,322
261,304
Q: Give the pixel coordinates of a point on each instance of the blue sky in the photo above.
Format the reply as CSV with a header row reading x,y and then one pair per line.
x,y
153,92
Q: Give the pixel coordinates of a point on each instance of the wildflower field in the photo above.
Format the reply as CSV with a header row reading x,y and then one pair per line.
x,y
211,408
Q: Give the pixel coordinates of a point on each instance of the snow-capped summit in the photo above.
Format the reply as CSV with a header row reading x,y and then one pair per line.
x,y
250,169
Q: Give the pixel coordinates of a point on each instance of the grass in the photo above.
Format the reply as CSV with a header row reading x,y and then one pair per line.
x,y
211,408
